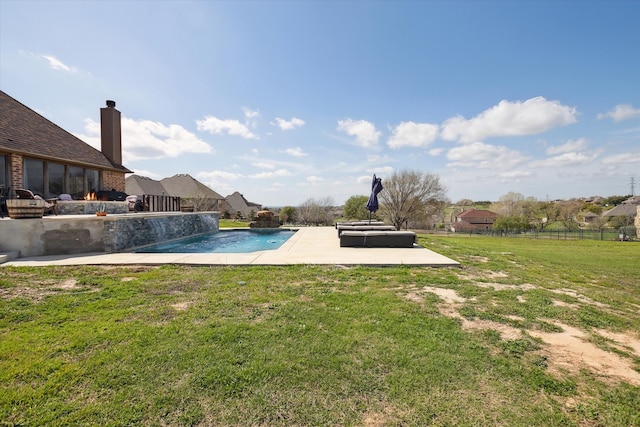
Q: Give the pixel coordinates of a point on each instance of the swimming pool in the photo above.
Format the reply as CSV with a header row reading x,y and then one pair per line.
x,y
226,241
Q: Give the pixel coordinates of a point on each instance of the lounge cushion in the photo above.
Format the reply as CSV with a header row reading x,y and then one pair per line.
x,y
364,222
372,227
377,239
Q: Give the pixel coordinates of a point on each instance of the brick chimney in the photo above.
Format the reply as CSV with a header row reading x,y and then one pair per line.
x,y
110,132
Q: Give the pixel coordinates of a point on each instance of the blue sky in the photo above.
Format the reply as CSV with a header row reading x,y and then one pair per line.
x,y
288,100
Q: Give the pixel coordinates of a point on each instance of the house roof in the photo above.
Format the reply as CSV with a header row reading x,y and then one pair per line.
x,y
622,210
474,213
187,187
141,185
236,202
25,132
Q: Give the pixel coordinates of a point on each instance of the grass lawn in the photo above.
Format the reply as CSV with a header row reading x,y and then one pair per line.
x,y
527,333
232,223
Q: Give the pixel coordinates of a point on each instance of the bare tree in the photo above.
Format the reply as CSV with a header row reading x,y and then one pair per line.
x,y
316,211
410,196
568,211
510,204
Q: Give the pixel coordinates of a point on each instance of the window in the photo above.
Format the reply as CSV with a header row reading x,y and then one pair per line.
x,y
76,182
33,176
3,171
55,178
92,180
49,179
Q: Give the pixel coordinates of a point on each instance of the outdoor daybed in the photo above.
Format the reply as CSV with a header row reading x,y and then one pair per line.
x,y
372,227
362,222
377,239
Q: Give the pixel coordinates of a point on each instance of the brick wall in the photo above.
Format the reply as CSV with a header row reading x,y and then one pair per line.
x,y
113,180
15,161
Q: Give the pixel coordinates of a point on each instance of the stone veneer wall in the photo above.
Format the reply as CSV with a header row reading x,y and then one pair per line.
x,y
85,207
637,222
65,235
161,227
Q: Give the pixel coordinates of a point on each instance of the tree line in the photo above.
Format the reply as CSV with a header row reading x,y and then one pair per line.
x,y
414,199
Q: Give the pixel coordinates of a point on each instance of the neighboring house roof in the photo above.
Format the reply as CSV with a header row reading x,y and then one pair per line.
x,y
142,185
463,225
237,203
476,213
622,210
25,132
633,200
187,187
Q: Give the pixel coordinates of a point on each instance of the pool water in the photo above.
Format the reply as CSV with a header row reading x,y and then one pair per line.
x,y
228,241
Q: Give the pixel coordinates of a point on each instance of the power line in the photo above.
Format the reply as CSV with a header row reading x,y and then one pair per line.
x,y
633,186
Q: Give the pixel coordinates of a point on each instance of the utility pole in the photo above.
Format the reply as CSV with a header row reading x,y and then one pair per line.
x,y
633,186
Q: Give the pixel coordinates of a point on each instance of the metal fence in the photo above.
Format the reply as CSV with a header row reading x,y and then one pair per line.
x,y
626,234
160,203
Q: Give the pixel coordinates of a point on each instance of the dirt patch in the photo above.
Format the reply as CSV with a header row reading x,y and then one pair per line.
x,y
567,351
181,306
563,304
626,340
448,295
581,298
506,332
504,286
69,284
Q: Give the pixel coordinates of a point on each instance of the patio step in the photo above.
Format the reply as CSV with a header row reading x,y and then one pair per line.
x,y
7,256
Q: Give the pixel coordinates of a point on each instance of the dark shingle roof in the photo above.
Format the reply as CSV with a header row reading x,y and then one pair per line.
x,y
187,187
26,132
473,213
141,185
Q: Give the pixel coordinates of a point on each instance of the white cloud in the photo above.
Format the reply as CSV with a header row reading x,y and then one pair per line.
x,y
365,132
289,124
411,134
436,151
279,172
514,175
483,155
533,116
263,165
571,145
621,112
148,174
146,139
219,175
378,158
250,114
296,152
216,126
315,179
622,158
56,64
219,181
565,159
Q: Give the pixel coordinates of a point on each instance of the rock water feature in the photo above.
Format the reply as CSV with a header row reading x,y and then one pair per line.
x,y
265,219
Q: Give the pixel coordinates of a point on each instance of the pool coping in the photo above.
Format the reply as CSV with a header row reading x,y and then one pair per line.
x,y
309,245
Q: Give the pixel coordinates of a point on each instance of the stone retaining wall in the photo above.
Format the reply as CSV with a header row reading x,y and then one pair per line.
x,y
64,235
85,207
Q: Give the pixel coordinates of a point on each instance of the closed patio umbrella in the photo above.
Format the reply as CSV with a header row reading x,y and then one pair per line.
x,y
372,203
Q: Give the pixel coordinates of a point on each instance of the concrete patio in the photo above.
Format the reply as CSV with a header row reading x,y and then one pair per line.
x,y
310,245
